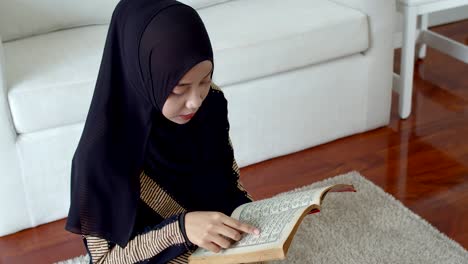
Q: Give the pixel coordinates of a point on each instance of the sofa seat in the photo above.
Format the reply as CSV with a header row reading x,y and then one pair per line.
x,y
51,85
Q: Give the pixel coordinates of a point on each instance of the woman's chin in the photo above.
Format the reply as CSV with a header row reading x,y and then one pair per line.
x,y
179,120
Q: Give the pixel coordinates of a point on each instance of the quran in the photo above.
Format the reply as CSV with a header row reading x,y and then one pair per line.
x,y
278,219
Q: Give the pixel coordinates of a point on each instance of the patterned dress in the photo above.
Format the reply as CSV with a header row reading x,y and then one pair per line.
x,y
164,242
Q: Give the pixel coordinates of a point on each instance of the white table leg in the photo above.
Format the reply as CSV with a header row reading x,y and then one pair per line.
x,y
423,26
407,61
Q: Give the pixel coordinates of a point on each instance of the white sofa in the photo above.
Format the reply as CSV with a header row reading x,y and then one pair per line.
x,y
296,73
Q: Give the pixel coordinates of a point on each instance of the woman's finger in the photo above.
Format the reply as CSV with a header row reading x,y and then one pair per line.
x,y
211,247
229,232
229,221
220,241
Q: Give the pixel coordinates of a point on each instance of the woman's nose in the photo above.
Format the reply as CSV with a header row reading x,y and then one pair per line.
x,y
194,101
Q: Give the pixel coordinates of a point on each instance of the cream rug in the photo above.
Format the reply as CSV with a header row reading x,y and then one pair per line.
x,y
369,226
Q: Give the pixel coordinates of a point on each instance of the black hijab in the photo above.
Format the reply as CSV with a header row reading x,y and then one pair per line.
x,y
150,45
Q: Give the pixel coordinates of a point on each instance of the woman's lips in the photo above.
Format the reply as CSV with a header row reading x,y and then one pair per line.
x,y
187,117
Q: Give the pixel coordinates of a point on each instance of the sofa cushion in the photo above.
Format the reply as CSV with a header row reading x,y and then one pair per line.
x,y
19,19
257,38
51,77
417,2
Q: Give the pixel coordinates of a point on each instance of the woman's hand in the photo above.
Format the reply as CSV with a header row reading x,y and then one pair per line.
x,y
210,230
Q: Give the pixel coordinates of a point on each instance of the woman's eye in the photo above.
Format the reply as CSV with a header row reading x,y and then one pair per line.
x,y
177,92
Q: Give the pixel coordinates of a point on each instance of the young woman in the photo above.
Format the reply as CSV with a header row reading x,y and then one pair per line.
x,y
154,175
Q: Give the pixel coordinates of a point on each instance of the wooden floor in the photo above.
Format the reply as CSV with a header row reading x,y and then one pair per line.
x,y
422,161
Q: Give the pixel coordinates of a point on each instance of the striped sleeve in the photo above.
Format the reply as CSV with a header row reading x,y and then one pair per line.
x,y
168,237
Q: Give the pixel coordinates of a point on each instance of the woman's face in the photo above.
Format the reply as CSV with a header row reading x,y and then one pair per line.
x,y
188,95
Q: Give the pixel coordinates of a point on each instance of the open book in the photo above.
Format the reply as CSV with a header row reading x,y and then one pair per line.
x,y
277,218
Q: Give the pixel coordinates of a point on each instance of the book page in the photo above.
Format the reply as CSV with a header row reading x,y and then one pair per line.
x,y
275,217
272,225
274,229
